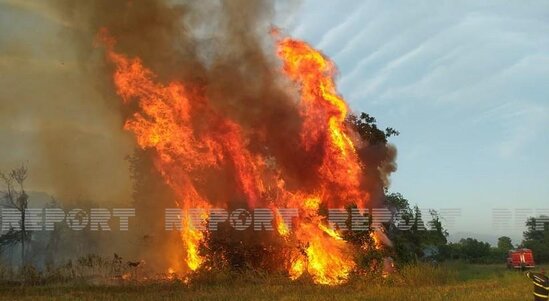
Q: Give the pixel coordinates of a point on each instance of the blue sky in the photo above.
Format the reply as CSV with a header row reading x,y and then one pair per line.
x,y
465,82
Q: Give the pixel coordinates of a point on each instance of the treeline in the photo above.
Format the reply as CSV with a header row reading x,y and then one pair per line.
x,y
416,244
536,238
474,251
412,243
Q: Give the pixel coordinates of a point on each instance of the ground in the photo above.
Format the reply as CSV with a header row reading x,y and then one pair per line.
x,y
443,282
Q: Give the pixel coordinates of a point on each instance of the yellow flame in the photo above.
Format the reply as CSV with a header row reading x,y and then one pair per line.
x,y
297,268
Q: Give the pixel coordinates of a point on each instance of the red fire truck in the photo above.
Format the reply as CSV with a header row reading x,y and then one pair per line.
x,y
520,259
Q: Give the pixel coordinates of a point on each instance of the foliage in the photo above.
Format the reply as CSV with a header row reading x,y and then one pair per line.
x,y
367,128
505,243
471,250
415,237
537,239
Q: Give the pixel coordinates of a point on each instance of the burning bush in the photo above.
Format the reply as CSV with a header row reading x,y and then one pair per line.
x,y
230,113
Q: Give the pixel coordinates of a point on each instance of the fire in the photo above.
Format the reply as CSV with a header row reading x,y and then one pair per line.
x,y
311,203
171,274
192,139
297,268
328,257
192,238
163,124
126,276
281,227
333,233
314,74
377,240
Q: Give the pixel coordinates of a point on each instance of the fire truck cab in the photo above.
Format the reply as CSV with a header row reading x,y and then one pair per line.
x,y
520,259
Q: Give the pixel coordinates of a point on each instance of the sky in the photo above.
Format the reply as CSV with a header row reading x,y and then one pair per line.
x,y
467,85
465,82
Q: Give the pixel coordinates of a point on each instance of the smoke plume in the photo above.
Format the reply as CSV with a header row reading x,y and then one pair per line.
x,y
226,52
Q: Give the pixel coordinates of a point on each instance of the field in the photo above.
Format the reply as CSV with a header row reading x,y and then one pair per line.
x,y
423,282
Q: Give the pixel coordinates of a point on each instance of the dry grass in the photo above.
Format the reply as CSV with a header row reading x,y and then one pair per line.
x,y
422,282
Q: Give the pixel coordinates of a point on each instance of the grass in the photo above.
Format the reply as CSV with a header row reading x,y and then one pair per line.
x,y
451,281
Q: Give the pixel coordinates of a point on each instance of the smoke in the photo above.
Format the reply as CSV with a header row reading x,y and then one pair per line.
x,y
379,161
222,43
51,118
69,122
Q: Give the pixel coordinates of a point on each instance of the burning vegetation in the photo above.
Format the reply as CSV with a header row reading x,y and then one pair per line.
x,y
249,169
197,144
227,112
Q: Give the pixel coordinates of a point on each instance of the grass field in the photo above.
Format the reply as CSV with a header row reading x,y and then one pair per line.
x,y
423,282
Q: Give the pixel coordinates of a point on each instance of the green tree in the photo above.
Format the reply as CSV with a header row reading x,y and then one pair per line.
x,y
414,236
505,243
473,250
536,237
396,202
367,128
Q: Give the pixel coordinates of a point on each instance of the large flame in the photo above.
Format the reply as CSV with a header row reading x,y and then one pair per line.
x,y
324,113
191,139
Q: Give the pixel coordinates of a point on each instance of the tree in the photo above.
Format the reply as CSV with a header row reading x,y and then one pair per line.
x,y
505,243
473,250
368,130
378,157
396,202
15,197
536,237
414,235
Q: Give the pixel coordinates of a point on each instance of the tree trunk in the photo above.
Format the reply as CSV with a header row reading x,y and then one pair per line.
x,y
23,238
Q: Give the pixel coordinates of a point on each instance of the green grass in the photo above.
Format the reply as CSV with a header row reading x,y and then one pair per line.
x,y
422,282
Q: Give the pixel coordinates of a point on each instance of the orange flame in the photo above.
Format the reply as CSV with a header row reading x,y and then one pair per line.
x,y
340,170
377,240
328,259
297,268
281,227
164,122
